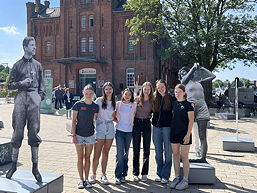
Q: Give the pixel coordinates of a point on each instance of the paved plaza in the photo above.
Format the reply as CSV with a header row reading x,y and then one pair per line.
x,y
235,171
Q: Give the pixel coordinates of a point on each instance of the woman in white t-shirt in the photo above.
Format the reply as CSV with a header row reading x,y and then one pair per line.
x,y
104,131
125,113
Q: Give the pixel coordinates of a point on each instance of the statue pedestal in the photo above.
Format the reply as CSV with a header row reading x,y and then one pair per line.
x,y
47,111
1,123
226,116
200,173
23,181
231,143
5,152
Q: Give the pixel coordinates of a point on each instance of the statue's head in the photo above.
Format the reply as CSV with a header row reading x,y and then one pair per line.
x,y
183,72
29,46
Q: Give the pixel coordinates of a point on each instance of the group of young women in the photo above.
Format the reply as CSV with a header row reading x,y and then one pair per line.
x,y
172,120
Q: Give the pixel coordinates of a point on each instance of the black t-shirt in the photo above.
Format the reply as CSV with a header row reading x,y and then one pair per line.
x,y
180,119
85,124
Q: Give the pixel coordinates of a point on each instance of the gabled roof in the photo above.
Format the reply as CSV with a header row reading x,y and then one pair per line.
x,y
48,13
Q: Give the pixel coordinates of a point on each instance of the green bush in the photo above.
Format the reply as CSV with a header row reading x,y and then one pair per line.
x,y
5,92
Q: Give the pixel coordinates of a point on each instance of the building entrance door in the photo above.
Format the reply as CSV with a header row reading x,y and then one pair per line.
x,y
87,76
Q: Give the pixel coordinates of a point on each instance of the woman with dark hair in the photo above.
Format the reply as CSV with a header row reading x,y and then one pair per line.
x,y
68,100
162,115
142,128
125,113
105,131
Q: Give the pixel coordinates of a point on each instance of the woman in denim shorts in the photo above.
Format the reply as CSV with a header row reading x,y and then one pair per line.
x,y
104,131
83,116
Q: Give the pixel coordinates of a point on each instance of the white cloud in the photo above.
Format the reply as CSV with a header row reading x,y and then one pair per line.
x,y
10,30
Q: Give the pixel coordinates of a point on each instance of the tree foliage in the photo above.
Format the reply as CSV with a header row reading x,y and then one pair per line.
x,y
211,32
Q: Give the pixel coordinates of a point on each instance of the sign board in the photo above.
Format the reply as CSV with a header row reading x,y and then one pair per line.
x,y
47,102
100,83
87,71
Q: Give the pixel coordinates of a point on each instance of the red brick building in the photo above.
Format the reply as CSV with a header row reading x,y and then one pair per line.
x,y
86,41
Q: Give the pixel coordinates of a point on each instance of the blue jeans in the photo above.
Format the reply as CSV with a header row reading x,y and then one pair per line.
x,y
161,140
123,140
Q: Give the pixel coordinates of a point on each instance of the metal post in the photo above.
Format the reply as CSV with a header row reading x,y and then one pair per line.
x,y
236,105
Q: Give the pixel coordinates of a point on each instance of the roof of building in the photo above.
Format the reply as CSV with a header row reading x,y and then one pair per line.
x,y
119,6
48,13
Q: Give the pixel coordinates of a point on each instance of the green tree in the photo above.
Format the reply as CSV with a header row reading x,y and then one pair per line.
x,y
211,32
217,83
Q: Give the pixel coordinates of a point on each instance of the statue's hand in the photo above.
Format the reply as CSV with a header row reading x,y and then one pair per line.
x,y
26,82
196,66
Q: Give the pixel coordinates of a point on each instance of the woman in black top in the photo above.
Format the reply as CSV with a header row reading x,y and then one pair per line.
x,y
162,115
181,138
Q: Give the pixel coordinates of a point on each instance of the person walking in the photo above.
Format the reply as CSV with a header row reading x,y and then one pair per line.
x,y
68,101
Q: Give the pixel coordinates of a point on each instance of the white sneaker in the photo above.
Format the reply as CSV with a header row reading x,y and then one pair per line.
x,y
104,180
81,184
158,179
144,178
117,181
174,182
92,179
136,179
182,185
164,181
123,179
87,184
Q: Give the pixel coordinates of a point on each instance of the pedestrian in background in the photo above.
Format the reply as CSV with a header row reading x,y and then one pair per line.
x,y
68,101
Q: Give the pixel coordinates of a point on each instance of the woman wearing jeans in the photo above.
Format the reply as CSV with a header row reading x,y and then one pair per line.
x,y
161,131
142,127
125,113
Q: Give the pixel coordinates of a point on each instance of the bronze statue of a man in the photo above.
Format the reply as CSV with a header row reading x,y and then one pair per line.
x,y
27,77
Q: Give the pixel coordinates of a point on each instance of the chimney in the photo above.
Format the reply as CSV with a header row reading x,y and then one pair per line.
x,y
47,4
38,6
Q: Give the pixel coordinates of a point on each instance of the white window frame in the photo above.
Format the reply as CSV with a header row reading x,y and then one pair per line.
x,y
130,77
131,44
48,73
83,22
48,48
91,45
83,45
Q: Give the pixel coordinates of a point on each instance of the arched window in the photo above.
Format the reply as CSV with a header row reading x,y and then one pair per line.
x,y
91,21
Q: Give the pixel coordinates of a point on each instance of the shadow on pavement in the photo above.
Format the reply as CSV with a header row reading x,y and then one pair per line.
x,y
232,162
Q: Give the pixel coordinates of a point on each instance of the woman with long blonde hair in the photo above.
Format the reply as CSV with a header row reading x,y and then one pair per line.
x,y
142,129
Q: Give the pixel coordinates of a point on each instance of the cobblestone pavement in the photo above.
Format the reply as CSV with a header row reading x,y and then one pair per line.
x,y
235,171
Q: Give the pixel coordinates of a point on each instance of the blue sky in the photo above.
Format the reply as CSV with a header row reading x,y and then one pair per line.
x,y
13,29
